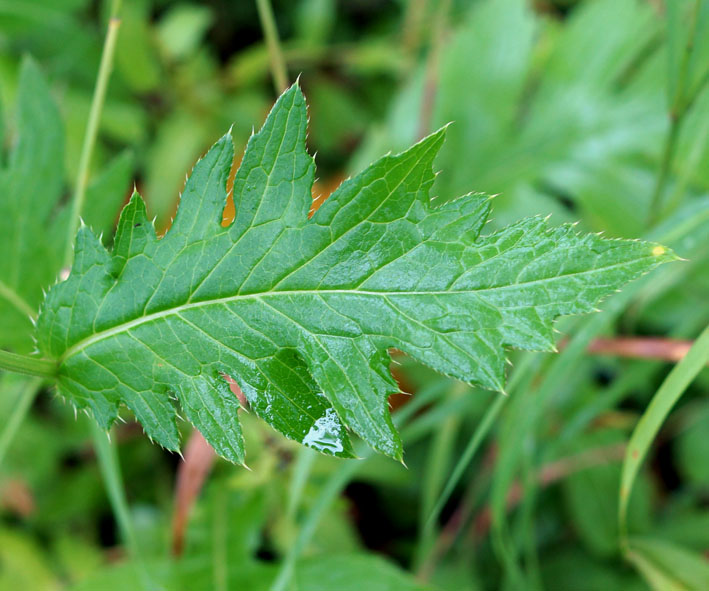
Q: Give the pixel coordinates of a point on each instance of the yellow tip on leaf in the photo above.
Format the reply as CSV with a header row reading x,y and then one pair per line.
x,y
658,251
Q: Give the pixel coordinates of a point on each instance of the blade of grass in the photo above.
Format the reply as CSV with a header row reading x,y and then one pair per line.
x,y
478,436
301,471
23,403
530,489
328,494
82,177
275,54
220,561
16,300
690,165
113,481
440,452
649,425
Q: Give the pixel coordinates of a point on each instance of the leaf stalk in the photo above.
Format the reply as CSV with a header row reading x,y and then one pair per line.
x,y
31,366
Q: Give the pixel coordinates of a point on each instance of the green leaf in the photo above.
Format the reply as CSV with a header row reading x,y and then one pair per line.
x,y
667,567
106,194
351,572
32,227
30,187
301,312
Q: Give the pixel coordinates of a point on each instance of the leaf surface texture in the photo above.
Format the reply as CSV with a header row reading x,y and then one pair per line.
x,y
302,311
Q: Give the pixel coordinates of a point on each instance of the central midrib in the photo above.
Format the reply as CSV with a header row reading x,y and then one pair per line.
x,y
126,326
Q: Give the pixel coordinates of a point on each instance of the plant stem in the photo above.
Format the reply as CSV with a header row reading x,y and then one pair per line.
x,y
275,54
667,158
111,473
113,481
19,411
430,87
678,108
192,473
412,27
87,148
659,348
31,366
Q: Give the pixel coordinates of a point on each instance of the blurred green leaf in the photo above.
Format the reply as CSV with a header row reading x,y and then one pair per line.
x,y
31,185
667,567
107,193
352,573
137,60
23,564
181,29
590,497
693,448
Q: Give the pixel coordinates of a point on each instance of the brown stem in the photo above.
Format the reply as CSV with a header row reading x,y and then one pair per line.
x,y
191,475
659,348
641,348
428,100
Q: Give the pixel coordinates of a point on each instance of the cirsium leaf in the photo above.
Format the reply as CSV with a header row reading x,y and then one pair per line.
x,y
301,312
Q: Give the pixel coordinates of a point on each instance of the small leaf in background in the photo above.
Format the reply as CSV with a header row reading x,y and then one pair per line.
x,y
169,159
692,448
106,195
136,54
31,183
32,223
353,573
181,29
301,312
667,567
590,498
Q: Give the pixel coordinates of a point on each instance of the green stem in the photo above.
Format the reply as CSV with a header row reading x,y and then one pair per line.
x,y
301,471
18,413
667,159
113,481
414,19
270,32
481,431
220,560
678,109
87,148
430,86
31,366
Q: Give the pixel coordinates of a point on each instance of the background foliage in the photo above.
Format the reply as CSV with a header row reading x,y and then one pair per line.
x,y
593,111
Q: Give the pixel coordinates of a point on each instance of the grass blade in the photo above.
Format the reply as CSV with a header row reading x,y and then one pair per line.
x,y
647,428
22,405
